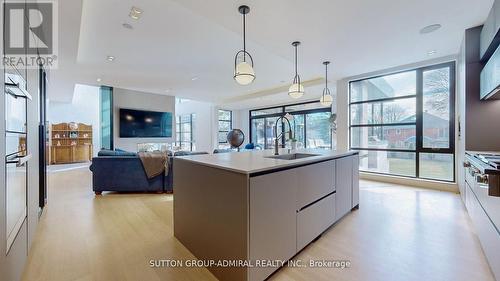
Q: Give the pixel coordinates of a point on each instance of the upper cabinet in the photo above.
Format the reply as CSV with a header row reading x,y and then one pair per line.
x,y
490,54
490,77
490,35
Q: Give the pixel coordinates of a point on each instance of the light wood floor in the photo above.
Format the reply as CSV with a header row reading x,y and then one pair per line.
x,y
398,233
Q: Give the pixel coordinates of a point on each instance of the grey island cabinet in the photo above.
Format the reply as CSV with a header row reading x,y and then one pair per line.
x,y
253,209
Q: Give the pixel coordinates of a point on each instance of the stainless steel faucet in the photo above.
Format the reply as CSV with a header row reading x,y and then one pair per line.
x,y
282,134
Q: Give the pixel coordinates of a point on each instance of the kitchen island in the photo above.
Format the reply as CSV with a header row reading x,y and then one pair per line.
x,y
258,210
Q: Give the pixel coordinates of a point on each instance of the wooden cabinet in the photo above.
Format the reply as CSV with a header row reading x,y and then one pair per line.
x,y
71,143
273,199
344,187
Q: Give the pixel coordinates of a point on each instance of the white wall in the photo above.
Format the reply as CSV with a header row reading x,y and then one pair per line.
x,y
84,108
205,126
123,98
241,121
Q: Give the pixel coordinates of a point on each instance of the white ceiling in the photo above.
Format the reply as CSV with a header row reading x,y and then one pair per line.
x,y
176,40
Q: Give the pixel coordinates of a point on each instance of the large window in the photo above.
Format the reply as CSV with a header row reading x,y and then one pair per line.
x,y
310,125
403,123
225,125
184,127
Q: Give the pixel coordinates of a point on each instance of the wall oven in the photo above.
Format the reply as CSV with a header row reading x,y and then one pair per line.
x,y
16,154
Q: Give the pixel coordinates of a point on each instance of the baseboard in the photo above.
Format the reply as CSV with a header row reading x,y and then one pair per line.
x,y
429,184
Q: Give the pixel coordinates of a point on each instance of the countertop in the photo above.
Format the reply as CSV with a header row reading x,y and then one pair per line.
x,y
249,162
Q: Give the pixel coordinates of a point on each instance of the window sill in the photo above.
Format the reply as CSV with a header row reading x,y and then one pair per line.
x,y
423,183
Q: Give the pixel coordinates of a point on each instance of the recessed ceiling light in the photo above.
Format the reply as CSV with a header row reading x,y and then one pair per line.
x,y
135,13
99,80
167,91
430,28
136,10
431,52
194,78
127,26
110,58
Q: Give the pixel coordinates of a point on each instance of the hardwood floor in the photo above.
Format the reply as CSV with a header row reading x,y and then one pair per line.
x,y
398,233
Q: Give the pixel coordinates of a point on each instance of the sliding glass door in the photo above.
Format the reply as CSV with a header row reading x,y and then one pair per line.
x,y
403,123
310,125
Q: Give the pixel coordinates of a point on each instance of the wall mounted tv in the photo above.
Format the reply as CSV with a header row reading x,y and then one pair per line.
x,y
145,124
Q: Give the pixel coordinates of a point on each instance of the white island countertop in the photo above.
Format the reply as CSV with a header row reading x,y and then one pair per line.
x,y
255,161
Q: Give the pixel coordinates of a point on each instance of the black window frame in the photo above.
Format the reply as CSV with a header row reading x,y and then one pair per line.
x,y
230,121
178,124
283,112
419,148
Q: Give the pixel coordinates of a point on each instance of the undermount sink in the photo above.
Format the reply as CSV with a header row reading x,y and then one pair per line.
x,y
292,156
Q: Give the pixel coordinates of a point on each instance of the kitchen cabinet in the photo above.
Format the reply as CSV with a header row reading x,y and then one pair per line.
x,y
488,38
315,219
265,208
343,201
314,182
485,230
355,181
273,200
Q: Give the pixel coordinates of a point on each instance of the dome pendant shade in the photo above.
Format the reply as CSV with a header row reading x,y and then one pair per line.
x,y
244,73
243,69
326,98
296,91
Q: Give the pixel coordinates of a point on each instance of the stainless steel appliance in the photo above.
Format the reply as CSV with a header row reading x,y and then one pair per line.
x,y
16,155
484,168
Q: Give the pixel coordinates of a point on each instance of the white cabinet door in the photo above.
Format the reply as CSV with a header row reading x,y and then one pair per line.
x,y
488,235
273,219
343,199
315,219
355,180
314,182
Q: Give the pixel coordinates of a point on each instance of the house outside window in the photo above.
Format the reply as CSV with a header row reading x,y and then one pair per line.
x,y
403,123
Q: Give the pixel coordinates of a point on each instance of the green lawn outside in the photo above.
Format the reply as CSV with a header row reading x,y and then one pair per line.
x,y
428,168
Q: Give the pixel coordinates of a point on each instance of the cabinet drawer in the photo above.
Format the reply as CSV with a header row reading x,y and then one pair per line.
x,y
315,219
314,182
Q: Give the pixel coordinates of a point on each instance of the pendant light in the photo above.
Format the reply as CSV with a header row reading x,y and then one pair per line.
x,y
297,89
243,70
326,98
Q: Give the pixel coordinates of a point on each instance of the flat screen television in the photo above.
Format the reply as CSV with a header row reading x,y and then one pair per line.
x,y
145,124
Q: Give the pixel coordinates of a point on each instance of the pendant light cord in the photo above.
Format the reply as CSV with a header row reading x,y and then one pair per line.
x,y
244,39
326,76
295,60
